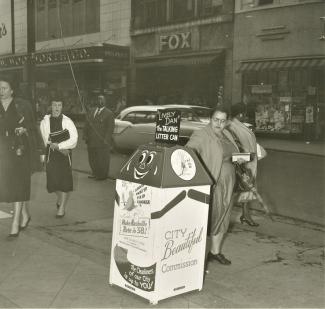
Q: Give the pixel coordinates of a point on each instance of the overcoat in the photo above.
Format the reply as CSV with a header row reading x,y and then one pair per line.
x,y
209,148
247,142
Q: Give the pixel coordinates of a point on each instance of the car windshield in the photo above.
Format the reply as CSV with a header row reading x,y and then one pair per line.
x,y
189,114
202,112
150,116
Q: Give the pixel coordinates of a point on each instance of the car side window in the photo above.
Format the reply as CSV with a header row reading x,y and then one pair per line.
x,y
151,117
141,117
130,117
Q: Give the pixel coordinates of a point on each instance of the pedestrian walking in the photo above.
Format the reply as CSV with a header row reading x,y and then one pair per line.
x,y
215,146
17,145
98,133
60,136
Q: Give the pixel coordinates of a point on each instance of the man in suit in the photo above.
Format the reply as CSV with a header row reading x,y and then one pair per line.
x,y
98,132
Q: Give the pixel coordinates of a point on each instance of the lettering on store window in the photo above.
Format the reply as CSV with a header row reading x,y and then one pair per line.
x,y
176,41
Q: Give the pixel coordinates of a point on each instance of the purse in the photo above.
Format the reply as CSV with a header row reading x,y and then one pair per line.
x,y
59,136
244,178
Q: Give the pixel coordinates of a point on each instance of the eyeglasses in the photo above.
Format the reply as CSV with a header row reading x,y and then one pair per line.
x,y
218,120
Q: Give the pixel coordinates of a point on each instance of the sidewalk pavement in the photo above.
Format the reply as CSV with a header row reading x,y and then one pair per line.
x,y
296,146
65,263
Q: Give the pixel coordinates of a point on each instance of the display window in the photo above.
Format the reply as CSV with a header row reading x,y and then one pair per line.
x,y
284,101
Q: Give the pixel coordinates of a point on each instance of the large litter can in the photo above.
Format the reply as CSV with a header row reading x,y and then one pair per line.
x,y
160,223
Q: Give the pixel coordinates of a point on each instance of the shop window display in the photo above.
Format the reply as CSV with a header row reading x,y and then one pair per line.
x,y
278,101
273,117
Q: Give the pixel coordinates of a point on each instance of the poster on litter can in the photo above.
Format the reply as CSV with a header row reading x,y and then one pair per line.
x,y
167,126
134,215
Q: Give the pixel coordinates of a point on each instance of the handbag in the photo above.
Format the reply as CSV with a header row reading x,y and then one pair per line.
x,y
59,136
244,178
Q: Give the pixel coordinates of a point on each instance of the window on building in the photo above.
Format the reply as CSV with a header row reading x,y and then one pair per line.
x,y
210,7
65,17
92,16
148,12
247,4
75,17
41,20
78,16
53,21
264,2
182,9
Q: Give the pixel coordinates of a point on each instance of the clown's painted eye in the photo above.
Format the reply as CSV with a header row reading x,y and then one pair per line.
x,y
142,157
150,157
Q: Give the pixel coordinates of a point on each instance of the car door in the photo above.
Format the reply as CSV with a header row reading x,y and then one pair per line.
x,y
136,128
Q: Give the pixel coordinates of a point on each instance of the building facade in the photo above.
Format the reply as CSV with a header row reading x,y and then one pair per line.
x,y
181,51
81,47
279,65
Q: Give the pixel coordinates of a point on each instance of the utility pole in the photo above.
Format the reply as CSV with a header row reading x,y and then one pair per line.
x,y
29,67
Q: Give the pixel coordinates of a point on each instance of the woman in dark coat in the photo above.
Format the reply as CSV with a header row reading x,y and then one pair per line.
x,y
215,146
58,158
17,143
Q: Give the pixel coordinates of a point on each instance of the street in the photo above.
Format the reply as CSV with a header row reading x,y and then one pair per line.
x,y
65,262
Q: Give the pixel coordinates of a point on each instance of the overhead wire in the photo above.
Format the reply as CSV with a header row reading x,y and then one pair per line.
x,y
83,106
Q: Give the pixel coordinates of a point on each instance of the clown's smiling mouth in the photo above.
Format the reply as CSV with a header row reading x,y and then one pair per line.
x,y
139,175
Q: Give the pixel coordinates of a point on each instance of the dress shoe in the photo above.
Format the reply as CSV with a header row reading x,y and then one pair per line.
x,y
91,176
248,221
14,234
101,179
218,257
22,227
58,216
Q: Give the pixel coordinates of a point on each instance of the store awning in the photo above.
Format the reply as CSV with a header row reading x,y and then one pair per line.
x,y
178,61
281,64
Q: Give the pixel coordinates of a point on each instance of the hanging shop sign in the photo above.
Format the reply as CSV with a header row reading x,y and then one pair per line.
x,y
5,27
175,41
167,126
86,54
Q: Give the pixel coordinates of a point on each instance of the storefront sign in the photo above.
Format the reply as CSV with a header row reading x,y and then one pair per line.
x,y
167,126
74,55
5,27
176,41
260,89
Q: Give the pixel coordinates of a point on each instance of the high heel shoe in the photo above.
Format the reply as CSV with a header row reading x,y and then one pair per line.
x,y
14,234
218,257
58,216
250,222
23,227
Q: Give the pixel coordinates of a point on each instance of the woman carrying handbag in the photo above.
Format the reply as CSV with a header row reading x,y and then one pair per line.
x,y
60,136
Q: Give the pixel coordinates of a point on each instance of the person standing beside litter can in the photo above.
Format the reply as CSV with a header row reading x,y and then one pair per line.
x,y
60,136
215,146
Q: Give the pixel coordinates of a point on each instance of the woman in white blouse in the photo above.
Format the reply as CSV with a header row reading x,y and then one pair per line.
x,y
60,136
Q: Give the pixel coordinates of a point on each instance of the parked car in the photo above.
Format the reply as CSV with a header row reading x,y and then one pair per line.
x,y
136,125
